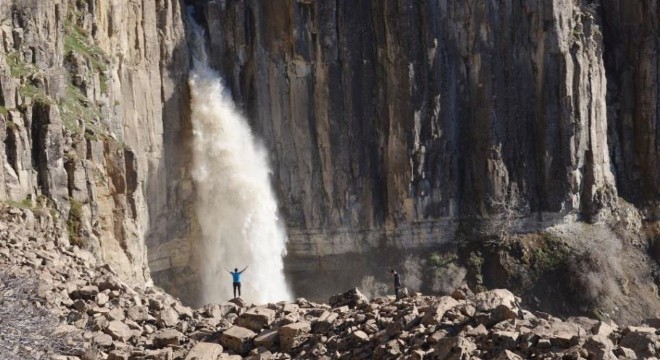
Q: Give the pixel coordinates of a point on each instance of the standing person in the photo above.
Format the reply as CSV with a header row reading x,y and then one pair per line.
x,y
397,283
236,276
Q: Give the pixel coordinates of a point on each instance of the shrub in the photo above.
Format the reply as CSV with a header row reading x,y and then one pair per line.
x,y
446,274
27,329
505,218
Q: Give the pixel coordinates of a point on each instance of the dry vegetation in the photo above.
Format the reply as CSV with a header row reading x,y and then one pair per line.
x,y
27,329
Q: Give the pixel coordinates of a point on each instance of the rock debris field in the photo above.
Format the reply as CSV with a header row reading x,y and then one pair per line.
x,y
95,315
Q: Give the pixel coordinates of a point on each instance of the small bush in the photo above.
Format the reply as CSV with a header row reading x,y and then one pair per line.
x,y
74,223
27,329
446,274
506,215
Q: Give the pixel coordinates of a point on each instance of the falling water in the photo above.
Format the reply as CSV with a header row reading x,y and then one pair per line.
x,y
235,204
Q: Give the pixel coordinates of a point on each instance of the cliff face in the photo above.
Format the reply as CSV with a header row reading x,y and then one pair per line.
x,y
93,98
633,98
390,122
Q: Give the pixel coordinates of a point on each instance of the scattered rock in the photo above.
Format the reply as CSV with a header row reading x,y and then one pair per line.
x,y
237,339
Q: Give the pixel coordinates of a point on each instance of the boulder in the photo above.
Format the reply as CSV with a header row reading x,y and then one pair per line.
x,y
138,313
118,330
488,301
116,314
205,351
168,317
456,346
434,314
642,340
293,335
256,318
238,302
267,339
167,337
462,292
600,348
238,339
351,298
103,340
118,355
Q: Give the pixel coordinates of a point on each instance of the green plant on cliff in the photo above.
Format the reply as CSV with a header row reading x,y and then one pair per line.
x,y
552,256
474,264
36,94
4,111
77,41
23,204
17,67
445,273
75,107
74,223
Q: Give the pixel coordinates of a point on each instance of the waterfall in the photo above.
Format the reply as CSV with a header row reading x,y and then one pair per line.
x,y
235,205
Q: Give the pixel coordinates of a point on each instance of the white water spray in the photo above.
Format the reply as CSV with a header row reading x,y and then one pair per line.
x,y
235,204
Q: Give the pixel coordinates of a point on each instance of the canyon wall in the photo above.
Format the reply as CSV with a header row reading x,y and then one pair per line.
x,y
393,122
93,112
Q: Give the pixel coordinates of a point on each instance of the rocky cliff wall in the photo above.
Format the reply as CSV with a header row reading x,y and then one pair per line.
x,y
392,122
92,105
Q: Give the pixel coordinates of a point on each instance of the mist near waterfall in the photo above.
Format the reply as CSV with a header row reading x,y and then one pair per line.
x,y
235,206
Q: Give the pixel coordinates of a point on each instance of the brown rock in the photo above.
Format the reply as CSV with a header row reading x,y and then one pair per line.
x,y
351,298
293,335
103,340
256,318
168,317
138,313
457,346
205,351
267,338
237,339
167,337
489,300
118,330
434,315
641,340
116,314
359,336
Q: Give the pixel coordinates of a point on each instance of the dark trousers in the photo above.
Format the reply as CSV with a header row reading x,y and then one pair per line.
x,y
397,292
237,286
